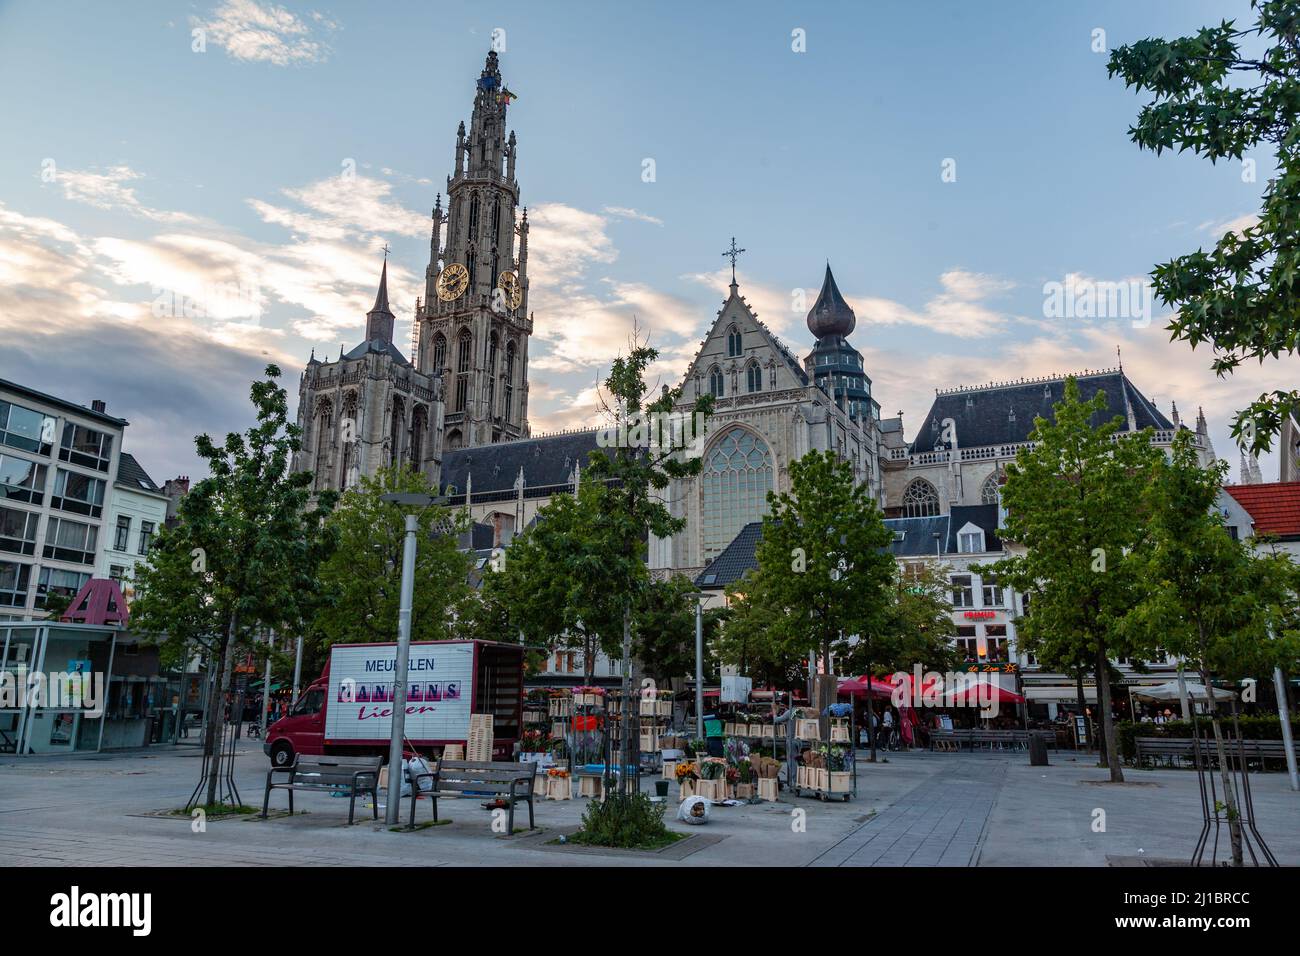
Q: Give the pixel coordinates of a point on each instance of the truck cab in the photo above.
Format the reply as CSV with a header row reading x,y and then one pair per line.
x,y
303,730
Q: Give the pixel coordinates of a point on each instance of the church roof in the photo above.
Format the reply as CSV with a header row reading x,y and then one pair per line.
x,y
735,560
547,463
831,314
378,347
1004,413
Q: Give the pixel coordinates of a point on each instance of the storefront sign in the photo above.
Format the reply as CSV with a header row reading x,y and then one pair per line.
x,y
992,668
979,615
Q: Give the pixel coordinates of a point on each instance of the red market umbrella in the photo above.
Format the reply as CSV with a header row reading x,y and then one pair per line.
x,y
857,686
981,690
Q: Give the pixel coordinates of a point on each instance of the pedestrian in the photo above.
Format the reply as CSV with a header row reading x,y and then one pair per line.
x,y
890,743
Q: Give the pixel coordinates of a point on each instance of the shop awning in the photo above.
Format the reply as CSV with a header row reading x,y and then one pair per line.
x,y
1059,693
981,690
1169,691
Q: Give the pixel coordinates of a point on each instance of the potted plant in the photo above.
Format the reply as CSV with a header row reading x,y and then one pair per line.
x,y
687,774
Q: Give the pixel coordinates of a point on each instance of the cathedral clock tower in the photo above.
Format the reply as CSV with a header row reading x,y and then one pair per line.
x,y
473,325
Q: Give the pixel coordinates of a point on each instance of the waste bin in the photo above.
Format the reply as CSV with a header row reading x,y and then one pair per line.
x,y
1037,751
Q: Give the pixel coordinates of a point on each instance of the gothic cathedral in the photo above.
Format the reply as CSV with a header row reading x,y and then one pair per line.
x,y
466,383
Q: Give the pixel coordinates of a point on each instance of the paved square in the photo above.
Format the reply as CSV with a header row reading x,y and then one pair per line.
x,y
918,809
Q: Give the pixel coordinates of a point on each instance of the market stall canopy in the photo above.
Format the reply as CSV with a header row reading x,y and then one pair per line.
x,y
857,686
981,690
1169,691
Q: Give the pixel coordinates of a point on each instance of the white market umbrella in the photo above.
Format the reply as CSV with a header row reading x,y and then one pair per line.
x,y
1169,691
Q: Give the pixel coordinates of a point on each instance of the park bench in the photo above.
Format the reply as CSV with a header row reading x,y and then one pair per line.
x,y
512,781
1171,749
354,775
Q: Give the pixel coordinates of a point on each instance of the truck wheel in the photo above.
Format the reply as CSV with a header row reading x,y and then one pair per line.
x,y
281,753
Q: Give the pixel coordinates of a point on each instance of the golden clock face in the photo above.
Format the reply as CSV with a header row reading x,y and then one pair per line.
x,y
453,282
508,283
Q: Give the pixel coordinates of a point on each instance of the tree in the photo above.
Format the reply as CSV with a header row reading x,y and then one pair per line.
x,y
362,579
552,588
1208,600
823,561
918,627
745,640
244,555
1240,298
663,631
1072,502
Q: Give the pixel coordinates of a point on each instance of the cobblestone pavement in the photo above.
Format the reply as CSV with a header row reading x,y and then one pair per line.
x,y
916,809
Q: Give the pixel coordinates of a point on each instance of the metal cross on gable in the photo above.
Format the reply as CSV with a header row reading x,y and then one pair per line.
x,y
733,254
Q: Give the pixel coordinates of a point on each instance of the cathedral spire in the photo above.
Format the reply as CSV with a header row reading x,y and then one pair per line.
x,y
380,319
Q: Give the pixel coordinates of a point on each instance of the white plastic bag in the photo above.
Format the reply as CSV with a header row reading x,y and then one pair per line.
x,y
415,766
694,810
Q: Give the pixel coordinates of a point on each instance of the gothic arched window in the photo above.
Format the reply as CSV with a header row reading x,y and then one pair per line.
x,y
470,256
492,375
495,265
439,352
735,481
989,493
419,423
754,377
920,500
397,428
463,351
473,214
715,382
323,430
508,411
733,341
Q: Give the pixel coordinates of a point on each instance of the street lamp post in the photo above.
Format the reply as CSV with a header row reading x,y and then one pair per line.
x,y
419,501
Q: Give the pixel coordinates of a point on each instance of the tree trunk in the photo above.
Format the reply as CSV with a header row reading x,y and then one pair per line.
x,y
1225,773
219,715
1107,728
629,712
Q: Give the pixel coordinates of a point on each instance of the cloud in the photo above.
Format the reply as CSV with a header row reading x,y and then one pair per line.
x,y
108,190
958,310
623,212
67,334
1238,225
255,33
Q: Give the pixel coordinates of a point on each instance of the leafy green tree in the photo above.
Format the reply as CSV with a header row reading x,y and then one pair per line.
x,y
663,628
824,569
1072,502
745,642
1208,600
918,626
244,556
363,577
552,587
1241,297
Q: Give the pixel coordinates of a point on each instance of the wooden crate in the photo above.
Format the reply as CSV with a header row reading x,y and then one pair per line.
x,y
767,788
841,781
687,789
561,706
590,787
453,752
663,708
822,779
808,729
839,731
712,789
649,743
670,769
479,745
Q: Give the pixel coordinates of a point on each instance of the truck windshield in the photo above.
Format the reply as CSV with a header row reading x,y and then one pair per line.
x,y
309,703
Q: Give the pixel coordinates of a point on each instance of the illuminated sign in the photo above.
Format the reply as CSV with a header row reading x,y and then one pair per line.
x,y
979,615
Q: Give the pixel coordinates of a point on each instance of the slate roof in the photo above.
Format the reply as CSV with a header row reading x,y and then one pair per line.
x,y
380,347
547,462
1274,507
918,541
891,425
737,558
918,533
984,416
132,475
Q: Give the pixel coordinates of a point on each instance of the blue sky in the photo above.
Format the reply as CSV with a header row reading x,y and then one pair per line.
x,y
137,167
